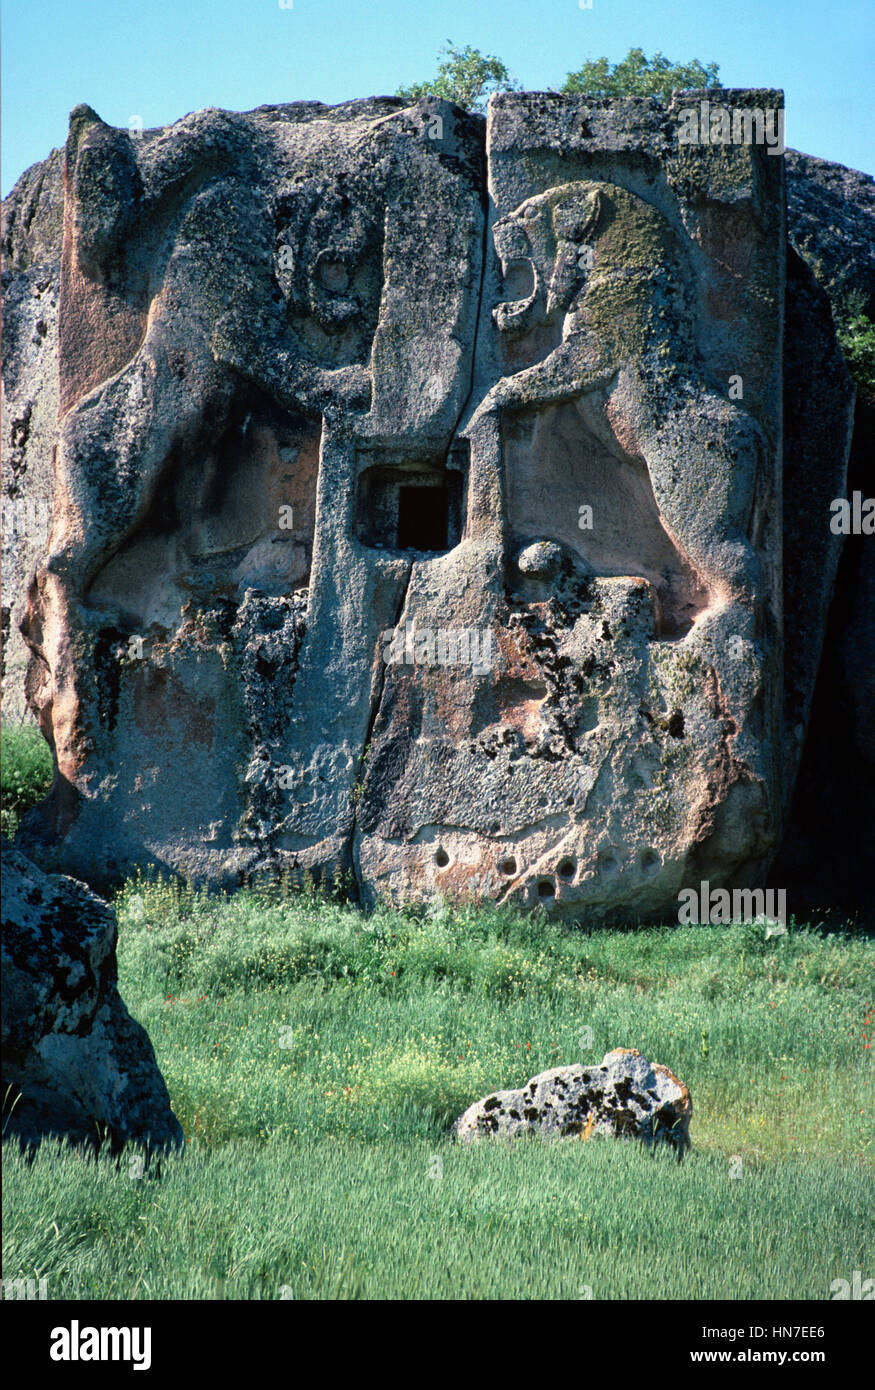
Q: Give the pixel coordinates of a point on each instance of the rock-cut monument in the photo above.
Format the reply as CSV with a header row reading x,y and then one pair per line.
x,y
417,497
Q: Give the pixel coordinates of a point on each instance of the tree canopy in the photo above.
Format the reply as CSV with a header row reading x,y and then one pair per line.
x,y
469,77
465,76
639,76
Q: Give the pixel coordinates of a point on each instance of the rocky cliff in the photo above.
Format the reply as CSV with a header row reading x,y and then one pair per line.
x,y
441,501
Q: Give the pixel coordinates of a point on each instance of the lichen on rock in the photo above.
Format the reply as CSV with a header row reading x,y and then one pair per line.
x,y
406,520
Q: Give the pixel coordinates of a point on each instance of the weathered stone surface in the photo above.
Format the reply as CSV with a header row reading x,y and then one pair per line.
x,y
617,746
819,418
830,826
626,1097
830,215
826,852
296,310
411,521
31,251
33,216
78,1065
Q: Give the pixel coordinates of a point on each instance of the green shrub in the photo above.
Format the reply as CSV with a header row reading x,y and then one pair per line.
x,y
25,773
640,76
856,334
465,76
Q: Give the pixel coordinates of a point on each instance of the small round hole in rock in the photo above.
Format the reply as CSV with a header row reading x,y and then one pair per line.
x,y
441,858
546,888
508,867
565,868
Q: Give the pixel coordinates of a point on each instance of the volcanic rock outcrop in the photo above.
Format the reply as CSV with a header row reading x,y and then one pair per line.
x,y
33,216
418,498
825,850
76,1066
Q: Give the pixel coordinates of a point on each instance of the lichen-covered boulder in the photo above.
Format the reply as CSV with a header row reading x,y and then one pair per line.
x,y
75,1064
626,1097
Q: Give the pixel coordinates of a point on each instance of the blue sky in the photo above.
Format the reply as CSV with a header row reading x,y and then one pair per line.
x,y
162,58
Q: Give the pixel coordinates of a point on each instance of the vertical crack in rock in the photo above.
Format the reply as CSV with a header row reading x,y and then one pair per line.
x,y
376,701
484,248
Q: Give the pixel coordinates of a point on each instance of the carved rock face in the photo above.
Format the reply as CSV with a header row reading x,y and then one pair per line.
x,y
413,530
328,266
624,741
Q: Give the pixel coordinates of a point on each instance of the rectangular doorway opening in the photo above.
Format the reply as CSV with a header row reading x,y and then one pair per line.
x,y
423,518
411,504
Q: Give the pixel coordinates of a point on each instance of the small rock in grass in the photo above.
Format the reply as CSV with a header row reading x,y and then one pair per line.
x,y
625,1097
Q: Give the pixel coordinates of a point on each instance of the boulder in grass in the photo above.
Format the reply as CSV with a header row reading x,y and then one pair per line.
x,y
76,1066
625,1097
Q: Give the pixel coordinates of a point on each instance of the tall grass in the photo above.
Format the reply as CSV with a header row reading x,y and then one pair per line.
x,y
25,772
316,1058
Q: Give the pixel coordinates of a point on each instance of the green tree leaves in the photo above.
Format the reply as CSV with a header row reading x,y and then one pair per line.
x,y
469,77
856,334
639,76
465,76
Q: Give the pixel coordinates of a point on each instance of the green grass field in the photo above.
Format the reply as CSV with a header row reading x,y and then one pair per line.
x,y
316,1057
25,772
